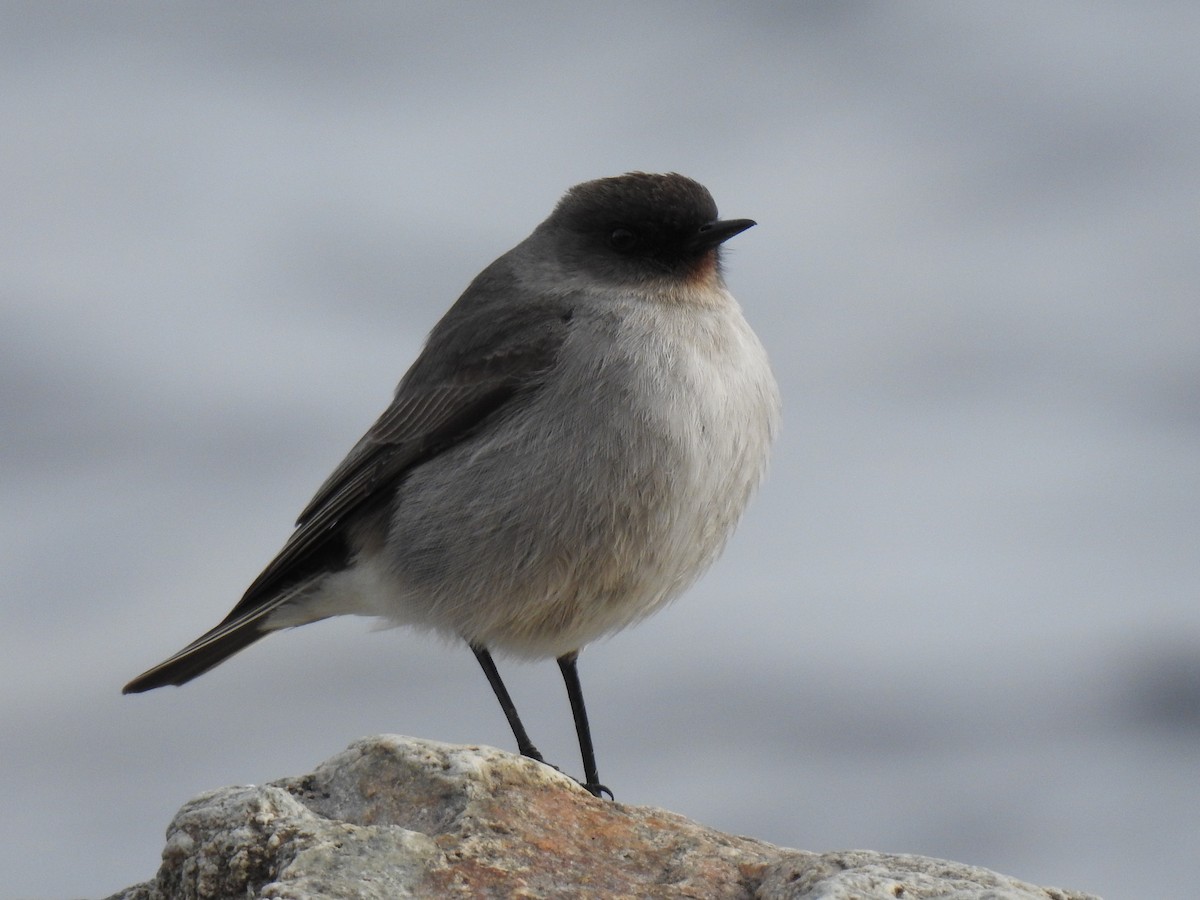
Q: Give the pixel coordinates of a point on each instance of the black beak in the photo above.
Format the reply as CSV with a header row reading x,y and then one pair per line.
x,y
711,234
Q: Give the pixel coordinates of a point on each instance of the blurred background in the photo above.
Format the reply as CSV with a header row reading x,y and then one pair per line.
x,y
960,619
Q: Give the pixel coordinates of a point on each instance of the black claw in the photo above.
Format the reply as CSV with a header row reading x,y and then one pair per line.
x,y
593,788
597,790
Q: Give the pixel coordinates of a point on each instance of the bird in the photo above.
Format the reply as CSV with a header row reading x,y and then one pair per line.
x,y
570,450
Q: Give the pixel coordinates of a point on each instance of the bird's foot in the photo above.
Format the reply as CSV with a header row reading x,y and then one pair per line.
x,y
531,752
597,790
592,787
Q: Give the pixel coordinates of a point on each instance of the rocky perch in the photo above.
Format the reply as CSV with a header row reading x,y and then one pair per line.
x,y
396,817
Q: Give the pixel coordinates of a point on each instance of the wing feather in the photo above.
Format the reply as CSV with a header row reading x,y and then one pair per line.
x,y
427,415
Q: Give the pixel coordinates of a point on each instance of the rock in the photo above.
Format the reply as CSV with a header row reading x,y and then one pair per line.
x,y
395,817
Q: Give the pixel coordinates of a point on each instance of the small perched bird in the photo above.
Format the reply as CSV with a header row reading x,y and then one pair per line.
x,y
570,450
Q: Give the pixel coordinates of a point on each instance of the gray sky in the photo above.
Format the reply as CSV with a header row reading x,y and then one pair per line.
x,y
961,618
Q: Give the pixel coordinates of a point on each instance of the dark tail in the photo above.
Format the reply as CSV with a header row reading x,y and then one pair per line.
x,y
202,654
245,624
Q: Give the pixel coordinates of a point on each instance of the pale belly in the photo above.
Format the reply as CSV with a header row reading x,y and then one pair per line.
x,y
592,508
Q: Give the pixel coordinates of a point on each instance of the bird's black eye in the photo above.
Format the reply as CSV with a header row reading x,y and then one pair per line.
x,y
622,240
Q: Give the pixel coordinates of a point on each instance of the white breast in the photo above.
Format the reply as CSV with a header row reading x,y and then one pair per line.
x,y
714,390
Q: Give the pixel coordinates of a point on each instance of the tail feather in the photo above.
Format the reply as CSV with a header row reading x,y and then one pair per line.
x,y
198,657
213,647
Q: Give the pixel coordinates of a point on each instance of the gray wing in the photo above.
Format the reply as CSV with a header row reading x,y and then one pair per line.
x,y
417,425
444,398
486,352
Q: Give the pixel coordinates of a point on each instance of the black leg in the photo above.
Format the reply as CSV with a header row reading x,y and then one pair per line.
x,y
570,673
524,744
